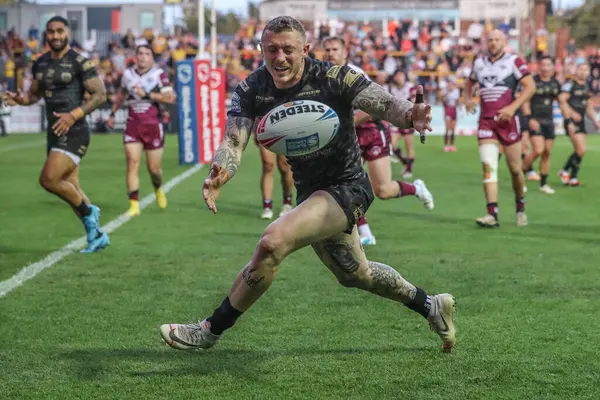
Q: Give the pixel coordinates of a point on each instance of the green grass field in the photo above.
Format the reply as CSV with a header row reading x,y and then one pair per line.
x,y
528,299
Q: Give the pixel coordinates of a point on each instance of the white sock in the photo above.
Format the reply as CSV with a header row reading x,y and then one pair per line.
x,y
365,231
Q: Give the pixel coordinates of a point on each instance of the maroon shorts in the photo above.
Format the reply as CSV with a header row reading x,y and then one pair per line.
x,y
450,112
506,132
374,142
150,135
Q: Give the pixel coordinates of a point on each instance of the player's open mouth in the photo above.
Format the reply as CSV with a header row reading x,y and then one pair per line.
x,y
281,69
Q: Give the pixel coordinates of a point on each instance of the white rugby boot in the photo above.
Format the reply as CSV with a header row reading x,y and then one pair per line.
x,y
423,194
189,336
441,319
487,221
267,213
547,189
522,219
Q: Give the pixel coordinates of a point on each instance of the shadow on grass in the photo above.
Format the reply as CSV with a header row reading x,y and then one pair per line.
x,y
93,364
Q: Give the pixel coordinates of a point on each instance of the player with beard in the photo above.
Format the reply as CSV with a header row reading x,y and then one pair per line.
x,y
537,117
374,140
144,88
498,75
575,104
61,77
333,188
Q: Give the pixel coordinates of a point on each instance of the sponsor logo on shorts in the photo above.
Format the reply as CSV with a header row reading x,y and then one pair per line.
x,y
513,136
297,147
484,133
375,151
156,143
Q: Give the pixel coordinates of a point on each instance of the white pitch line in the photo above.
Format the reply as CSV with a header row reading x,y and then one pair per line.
x,y
32,270
20,146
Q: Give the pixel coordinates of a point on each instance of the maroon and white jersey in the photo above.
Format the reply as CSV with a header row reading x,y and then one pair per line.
x,y
144,111
498,81
451,97
406,92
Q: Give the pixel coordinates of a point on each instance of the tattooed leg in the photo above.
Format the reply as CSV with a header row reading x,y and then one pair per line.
x,y
345,257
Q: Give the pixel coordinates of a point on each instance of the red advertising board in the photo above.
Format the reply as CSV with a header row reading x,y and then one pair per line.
x,y
210,102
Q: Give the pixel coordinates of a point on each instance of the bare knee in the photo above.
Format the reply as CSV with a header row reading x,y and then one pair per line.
x,y
272,247
382,191
267,168
283,166
47,181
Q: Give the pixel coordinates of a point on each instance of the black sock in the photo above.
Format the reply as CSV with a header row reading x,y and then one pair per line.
x,y
156,181
544,179
223,317
83,209
569,162
421,303
575,164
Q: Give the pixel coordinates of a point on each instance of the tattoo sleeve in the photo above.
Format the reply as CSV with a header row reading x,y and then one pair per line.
x,y
376,101
237,135
97,91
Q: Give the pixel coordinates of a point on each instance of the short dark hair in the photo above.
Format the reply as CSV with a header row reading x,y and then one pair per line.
x,y
284,24
546,57
334,39
58,18
144,46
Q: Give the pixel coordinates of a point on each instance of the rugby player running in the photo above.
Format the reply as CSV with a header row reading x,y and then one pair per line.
x,y
374,140
574,104
61,77
333,189
498,75
537,119
144,87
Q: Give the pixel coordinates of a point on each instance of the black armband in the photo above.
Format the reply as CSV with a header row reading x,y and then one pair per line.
x,y
112,114
146,96
568,121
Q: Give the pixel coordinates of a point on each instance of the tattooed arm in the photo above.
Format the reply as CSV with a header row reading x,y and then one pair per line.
x,y
95,87
229,153
227,158
376,101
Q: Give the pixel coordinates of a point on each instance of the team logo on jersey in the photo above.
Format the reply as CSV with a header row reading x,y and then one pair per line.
x,y
39,76
333,72
89,64
235,103
66,77
351,77
490,80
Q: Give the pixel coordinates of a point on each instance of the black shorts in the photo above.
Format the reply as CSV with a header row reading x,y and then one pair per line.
x,y
579,127
546,130
75,142
355,197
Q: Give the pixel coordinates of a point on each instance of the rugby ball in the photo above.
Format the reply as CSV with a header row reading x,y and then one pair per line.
x,y
298,128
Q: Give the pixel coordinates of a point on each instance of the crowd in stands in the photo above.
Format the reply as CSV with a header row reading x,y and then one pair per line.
x,y
429,52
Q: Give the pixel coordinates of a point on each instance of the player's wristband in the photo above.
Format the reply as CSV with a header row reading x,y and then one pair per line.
x,y
112,114
146,96
77,113
568,121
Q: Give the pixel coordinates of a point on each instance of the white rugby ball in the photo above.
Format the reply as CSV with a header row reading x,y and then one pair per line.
x,y
298,128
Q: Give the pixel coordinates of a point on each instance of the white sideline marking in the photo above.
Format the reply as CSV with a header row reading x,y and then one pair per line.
x,y
32,270
20,146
